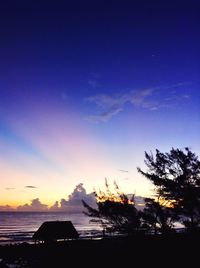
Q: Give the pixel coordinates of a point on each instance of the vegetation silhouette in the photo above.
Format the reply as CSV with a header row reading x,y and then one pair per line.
x,y
176,177
115,212
177,196
157,217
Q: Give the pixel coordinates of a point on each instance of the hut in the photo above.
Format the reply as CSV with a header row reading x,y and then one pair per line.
x,y
51,231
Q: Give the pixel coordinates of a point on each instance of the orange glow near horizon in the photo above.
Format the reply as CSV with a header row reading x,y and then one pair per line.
x,y
113,198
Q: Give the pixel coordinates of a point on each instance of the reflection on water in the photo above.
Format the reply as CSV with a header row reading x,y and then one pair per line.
x,y
20,226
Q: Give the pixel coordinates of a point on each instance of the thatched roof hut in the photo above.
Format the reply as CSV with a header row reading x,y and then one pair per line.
x,y
54,230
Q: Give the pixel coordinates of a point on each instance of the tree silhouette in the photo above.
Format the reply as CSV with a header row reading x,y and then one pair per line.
x,y
115,211
176,176
157,216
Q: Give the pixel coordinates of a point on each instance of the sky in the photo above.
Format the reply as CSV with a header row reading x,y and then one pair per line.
x,y
86,87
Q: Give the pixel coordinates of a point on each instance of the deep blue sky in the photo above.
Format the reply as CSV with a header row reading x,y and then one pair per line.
x,y
54,44
122,74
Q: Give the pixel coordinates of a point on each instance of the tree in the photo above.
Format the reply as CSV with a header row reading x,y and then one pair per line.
x,y
157,216
115,212
176,176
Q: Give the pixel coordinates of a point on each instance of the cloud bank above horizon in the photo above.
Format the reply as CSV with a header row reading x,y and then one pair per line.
x,y
73,204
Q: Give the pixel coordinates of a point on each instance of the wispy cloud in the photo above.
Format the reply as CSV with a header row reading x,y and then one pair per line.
x,y
105,116
151,99
64,95
111,105
9,188
122,170
93,81
30,186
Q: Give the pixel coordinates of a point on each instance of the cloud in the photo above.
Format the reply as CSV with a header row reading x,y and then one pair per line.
x,y
35,205
111,105
104,116
9,188
104,101
93,80
186,96
74,202
139,97
122,170
64,96
6,208
93,83
55,207
30,186
151,99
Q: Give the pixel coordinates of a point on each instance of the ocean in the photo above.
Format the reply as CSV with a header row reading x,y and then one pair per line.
x,y
18,227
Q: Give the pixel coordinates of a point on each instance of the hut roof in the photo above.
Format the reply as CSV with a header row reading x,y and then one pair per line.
x,y
53,230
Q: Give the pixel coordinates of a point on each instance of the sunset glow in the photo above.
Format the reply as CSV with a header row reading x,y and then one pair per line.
x,y
86,91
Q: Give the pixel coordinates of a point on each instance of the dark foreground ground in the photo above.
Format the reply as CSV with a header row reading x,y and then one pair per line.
x,y
152,251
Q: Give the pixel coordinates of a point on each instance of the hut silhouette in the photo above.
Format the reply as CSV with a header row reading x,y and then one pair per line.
x,y
51,231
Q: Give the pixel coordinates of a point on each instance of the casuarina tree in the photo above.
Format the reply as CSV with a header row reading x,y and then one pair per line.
x,y
115,211
176,176
157,216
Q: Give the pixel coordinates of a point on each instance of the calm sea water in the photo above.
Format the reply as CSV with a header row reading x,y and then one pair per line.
x,y
17,227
